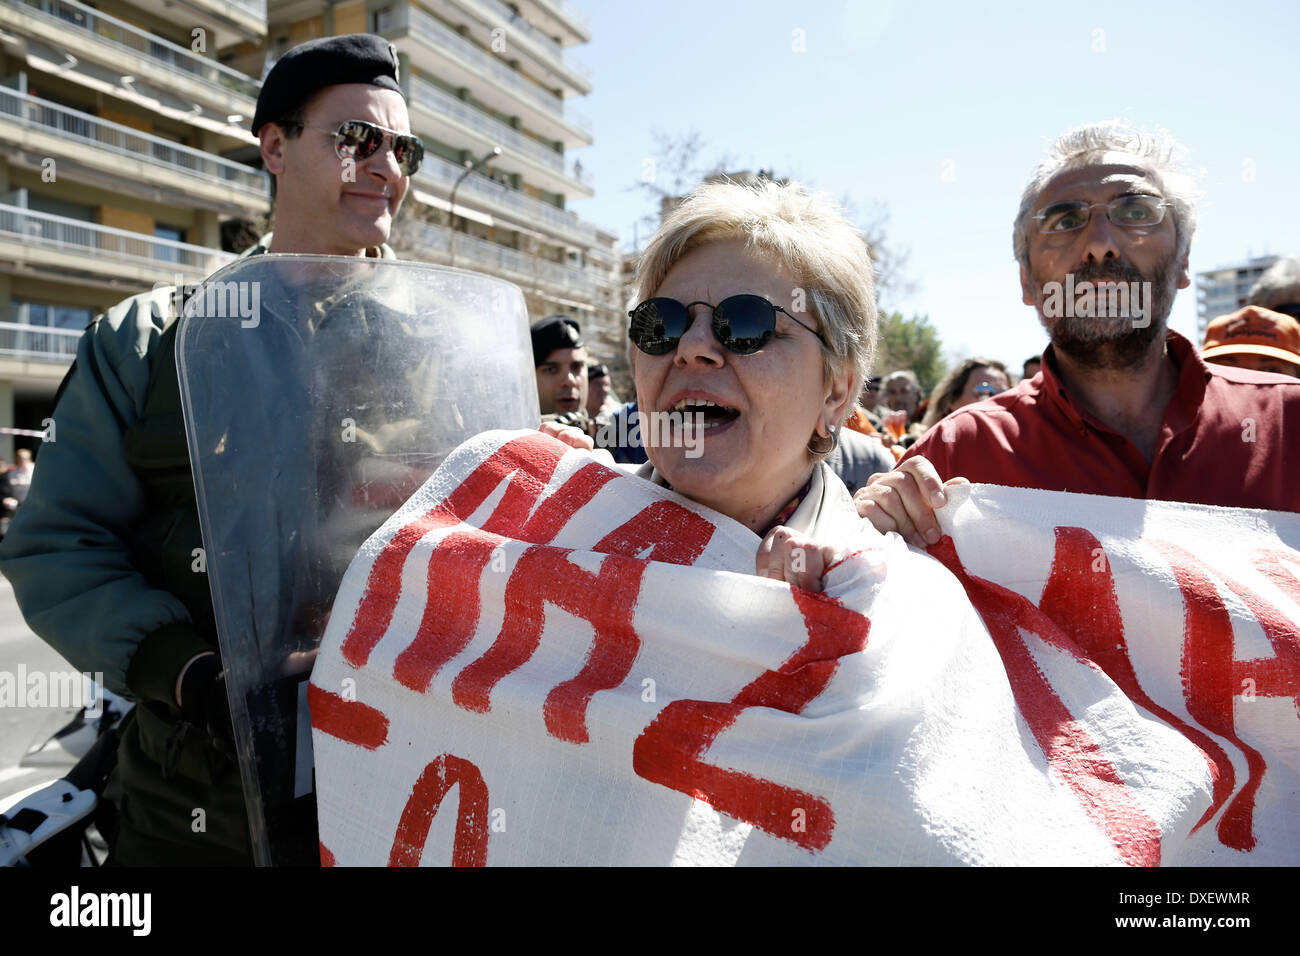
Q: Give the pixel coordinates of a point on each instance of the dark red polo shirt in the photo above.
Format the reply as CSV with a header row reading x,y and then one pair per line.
x,y
1229,437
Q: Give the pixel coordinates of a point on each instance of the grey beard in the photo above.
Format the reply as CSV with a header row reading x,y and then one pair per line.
x,y
1114,342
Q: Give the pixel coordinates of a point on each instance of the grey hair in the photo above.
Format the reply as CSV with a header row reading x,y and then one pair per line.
x,y
908,375
1279,284
1162,153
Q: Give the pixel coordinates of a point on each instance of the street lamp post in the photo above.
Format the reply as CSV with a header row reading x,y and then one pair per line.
x,y
470,166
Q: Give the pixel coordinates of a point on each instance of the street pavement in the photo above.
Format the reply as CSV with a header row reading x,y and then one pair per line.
x,y
21,725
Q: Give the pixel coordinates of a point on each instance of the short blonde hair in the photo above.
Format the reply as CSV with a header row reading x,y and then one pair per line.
x,y
810,237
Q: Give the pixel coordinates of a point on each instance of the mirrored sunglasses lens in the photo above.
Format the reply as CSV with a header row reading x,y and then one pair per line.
x,y
744,323
372,139
657,325
408,151
351,141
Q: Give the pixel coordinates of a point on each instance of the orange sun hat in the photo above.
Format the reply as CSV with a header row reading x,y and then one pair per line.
x,y
1253,331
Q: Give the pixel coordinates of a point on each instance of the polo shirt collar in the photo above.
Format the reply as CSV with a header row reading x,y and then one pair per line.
x,y
1193,374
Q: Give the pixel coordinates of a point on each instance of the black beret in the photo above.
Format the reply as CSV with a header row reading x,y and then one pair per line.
x,y
316,64
554,332
596,371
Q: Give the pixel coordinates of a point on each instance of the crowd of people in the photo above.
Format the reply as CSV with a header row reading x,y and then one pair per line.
x,y
781,394
892,410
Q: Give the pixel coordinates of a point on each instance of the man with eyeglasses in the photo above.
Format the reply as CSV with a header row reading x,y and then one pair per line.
x,y
1123,406
101,556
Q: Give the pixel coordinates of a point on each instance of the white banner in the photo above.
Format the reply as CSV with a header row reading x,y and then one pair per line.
x,y
541,660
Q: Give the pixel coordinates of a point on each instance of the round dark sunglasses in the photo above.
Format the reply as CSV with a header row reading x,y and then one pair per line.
x,y
359,140
743,324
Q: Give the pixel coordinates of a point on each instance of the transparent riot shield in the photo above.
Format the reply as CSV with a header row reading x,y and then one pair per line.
x,y
319,393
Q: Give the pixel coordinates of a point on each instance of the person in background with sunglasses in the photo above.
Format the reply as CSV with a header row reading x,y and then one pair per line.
x,y
755,330
972,381
110,497
1123,406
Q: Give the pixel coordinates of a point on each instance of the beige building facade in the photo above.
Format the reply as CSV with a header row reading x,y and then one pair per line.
x,y
126,158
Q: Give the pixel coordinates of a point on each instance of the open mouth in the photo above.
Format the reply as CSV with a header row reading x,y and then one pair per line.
x,y
711,413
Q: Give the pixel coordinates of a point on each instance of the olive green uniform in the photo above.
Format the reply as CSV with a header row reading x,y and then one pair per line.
x,y
105,563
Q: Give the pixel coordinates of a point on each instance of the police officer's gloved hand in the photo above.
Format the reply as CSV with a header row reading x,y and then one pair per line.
x,y
204,701
576,419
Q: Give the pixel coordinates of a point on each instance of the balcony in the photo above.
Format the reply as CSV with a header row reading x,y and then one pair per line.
x,y
185,175
531,272
38,342
495,130
36,242
522,155
445,52
531,41
438,174
86,33
227,21
568,15
256,7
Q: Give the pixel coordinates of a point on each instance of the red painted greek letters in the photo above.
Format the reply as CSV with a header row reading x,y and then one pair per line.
x,y
670,751
1080,598
1069,748
544,575
470,845
531,460
349,720
451,609
1213,679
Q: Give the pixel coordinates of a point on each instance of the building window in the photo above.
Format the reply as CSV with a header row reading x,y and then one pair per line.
x,y
41,315
168,253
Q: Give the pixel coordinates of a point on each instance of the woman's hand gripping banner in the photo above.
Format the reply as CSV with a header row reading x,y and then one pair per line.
x,y
541,660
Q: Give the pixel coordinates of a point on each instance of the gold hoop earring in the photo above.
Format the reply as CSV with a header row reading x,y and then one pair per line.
x,y
821,448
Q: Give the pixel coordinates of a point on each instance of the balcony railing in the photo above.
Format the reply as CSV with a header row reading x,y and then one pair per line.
x,y
494,129
255,7
83,128
101,243
494,195
546,44
134,41
579,175
40,342
449,41
475,253
571,13
516,22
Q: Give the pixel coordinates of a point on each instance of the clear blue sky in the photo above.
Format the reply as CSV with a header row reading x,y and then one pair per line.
x,y
888,96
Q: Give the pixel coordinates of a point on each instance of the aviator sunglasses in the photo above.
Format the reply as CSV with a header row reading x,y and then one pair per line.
x,y
359,140
742,324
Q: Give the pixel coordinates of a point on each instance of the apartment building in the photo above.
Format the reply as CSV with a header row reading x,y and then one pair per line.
x,y
122,135
1225,289
127,159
